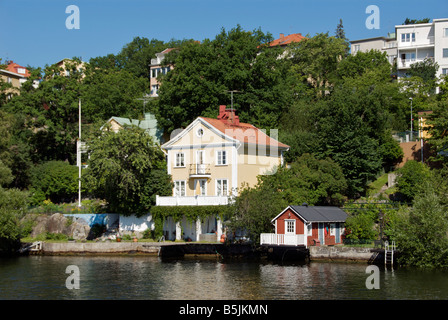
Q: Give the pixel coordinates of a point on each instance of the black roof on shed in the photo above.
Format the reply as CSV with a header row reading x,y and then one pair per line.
x,y
320,213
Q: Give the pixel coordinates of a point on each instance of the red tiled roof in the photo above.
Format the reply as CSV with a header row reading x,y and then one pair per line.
x,y
168,50
285,40
244,132
14,67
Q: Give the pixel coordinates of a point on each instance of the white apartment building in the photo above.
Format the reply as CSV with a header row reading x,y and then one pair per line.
x,y
384,44
156,69
412,43
416,42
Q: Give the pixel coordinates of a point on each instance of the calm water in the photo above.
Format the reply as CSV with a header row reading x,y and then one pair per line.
x,y
141,277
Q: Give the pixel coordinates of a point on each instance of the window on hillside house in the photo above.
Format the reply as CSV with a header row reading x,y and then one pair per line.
x,y
309,229
180,159
290,226
445,32
408,37
179,188
221,187
445,52
221,157
332,229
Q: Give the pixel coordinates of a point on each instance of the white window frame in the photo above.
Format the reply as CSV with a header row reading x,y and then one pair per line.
x,y
200,132
445,53
178,190
202,187
221,158
444,71
222,190
290,226
445,32
180,160
309,229
408,37
332,229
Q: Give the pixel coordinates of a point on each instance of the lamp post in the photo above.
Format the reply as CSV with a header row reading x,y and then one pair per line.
x,y
411,119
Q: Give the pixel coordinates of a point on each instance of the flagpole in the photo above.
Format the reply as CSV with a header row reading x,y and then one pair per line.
x,y
79,156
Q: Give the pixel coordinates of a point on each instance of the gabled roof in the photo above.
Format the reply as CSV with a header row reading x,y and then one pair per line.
x,y
14,67
285,40
149,123
317,213
229,127
244,133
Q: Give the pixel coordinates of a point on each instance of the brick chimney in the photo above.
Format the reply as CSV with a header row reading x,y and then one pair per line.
x,y
228,116
282,35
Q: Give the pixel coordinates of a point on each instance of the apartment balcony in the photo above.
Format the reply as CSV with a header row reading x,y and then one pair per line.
x,y
199,171
406,63
283,239
192,201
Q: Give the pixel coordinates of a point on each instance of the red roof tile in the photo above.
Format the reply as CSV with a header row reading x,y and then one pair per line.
x,y
14,67
285,40
244,132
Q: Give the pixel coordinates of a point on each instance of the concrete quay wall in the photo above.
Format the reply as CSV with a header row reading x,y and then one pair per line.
x,y
100,248
337,253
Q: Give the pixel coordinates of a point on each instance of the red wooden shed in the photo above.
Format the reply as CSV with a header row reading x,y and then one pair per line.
x,y
306,226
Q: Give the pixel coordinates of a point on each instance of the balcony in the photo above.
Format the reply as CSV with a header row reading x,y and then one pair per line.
x,y
406,63
192,201
199,171
283,239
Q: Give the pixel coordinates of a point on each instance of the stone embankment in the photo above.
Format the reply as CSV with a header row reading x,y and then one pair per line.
x,y
342,253
60,248
173,249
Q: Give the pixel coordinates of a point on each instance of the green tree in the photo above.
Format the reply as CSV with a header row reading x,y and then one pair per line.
x,y
361,62
340,34
13,206
426,69
253,210
437,127
54,180
111,92
416,21
127,170
308,180
315,62
421,232
205,73
411,179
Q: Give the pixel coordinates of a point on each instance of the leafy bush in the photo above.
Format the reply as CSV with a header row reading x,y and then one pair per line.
x,y
54,180
411,178
360,226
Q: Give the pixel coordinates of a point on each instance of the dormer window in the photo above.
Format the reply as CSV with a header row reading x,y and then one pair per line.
x,y
21,70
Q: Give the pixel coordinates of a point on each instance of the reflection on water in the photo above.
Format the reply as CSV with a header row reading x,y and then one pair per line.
x,y
142,277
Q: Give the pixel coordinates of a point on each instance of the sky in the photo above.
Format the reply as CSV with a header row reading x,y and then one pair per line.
x,y
35,32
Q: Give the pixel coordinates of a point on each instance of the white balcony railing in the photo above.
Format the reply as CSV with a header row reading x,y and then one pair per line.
x,y
406,63
283,239
199,170
192,201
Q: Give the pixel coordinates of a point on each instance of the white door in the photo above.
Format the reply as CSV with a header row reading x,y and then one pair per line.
x,y
290,232
200,167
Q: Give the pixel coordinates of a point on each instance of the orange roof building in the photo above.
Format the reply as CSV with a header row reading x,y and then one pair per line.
x,y
16,68
286,40
213,158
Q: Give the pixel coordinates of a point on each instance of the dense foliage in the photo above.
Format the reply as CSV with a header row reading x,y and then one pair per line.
x,y
127,169
336,111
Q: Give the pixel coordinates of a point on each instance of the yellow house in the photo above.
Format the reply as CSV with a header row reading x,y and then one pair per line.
x,y
212,158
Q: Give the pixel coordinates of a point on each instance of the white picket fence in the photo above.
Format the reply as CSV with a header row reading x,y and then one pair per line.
x,y
283,239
